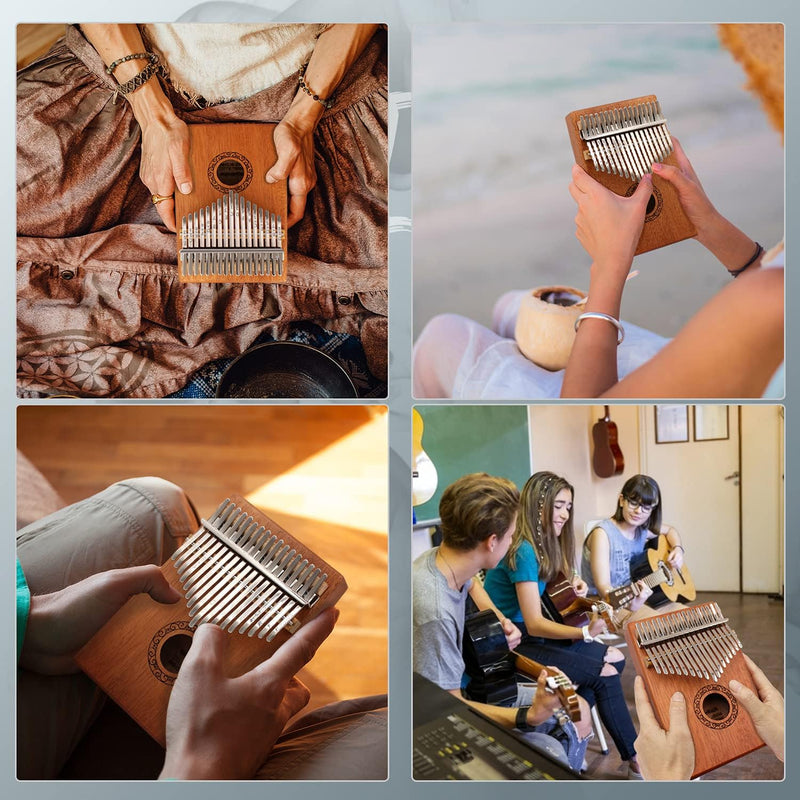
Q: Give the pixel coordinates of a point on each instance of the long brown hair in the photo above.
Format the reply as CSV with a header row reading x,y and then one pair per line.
x,y
535,525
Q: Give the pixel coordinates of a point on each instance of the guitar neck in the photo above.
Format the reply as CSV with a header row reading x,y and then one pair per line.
x,y
527,665
558,684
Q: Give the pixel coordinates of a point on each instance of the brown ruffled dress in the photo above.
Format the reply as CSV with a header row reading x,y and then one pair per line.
x,y
100,309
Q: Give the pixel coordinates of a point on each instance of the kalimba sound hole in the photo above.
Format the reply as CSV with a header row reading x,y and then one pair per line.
x,y
716,706
230,172
651,205
173,651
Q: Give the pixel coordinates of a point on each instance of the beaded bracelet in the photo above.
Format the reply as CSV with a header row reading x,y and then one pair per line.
x,y
735,273
607,317
307,89
137,81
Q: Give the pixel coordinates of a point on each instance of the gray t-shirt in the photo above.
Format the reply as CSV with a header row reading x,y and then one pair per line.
x,y
438,624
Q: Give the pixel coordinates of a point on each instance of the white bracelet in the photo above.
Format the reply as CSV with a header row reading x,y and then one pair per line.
x,y
607,318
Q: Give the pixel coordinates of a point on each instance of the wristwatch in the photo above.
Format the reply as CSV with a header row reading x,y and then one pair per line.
x,y
521,722
587,637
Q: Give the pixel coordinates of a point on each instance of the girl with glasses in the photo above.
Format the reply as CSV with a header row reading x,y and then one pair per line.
x,y
613,543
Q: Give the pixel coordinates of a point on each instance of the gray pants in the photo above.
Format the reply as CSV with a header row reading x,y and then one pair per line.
x,y
142,521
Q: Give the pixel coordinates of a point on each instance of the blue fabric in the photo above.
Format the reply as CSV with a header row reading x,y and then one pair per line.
x,y
23,607
500,581
342,347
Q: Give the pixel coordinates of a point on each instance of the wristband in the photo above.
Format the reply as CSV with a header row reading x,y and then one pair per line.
x,y
587,637
521,722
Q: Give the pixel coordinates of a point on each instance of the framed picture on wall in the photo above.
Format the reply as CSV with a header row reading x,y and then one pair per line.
x,y
710,423
672,424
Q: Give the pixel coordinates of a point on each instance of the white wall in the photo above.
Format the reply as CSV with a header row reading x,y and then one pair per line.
x,y
561,441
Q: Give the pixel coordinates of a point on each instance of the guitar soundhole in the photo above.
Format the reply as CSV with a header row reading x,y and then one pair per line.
x,y
173,651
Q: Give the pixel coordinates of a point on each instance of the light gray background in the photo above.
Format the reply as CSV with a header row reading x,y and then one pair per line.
x,y
401,15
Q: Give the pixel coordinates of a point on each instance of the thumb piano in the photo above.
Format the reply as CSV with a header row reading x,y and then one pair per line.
x,y
231,225
695,651
240,571
617,144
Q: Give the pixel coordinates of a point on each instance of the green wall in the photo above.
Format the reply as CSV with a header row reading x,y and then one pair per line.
x,y
462,439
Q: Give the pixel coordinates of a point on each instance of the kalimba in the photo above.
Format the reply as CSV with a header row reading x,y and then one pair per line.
x,y
617,144
231,226
696,652
240,571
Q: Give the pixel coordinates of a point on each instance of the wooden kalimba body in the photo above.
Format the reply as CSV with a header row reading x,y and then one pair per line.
x,y
696,652
240,571
231,226
617,144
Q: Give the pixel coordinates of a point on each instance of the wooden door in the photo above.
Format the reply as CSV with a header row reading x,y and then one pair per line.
x,y
700,487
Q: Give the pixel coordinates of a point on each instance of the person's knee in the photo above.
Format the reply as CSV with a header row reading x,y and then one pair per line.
x,y
613,655
165,499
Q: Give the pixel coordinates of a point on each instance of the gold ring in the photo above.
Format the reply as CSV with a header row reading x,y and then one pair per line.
x,y
157,198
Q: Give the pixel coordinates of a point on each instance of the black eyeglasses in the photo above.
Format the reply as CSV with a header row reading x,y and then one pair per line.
x,y
634,504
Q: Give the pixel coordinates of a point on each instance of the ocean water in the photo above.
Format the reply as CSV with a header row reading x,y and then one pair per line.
x,y
489,101
491,158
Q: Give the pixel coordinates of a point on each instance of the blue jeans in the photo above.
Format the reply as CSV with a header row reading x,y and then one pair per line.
x,y
582,662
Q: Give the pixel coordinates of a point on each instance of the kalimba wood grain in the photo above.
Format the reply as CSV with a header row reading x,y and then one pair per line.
x,y
694,651
232,222
665,221
136,656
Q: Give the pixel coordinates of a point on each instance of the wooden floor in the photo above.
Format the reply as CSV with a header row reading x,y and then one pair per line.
x,y
759,622
321,472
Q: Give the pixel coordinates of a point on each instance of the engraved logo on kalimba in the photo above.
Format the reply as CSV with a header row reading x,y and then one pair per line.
x,y
230,170
715,706
167,650
655,204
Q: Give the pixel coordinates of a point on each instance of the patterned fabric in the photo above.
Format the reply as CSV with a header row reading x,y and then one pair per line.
x,y
346,350
100,309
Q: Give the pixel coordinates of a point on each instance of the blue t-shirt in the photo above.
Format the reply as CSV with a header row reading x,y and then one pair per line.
x,y
500,581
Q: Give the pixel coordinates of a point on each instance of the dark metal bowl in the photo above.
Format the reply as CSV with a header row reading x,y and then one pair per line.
x,y
285,369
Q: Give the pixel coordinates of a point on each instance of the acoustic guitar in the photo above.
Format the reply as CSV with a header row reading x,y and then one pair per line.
x,y
424,478
607,458
669,585
562,604
493,668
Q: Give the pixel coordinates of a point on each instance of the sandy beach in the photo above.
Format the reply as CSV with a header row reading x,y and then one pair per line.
x,y
492,161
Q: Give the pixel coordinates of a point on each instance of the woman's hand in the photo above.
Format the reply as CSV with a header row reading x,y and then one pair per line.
x,y
165,162
643,594
607,225
597,625
663,755
675,557
693,199
59,624
579,586
294,144
765,709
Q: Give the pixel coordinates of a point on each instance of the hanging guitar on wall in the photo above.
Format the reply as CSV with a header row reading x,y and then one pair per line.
x,y
607,458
